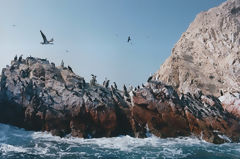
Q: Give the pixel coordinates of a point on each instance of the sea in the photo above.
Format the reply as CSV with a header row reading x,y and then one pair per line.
x,y
17,143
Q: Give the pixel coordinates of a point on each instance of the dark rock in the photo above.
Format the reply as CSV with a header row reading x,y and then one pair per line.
x,y
38,96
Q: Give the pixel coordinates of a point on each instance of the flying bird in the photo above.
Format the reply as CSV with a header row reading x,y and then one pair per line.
x,y
129,39
45,41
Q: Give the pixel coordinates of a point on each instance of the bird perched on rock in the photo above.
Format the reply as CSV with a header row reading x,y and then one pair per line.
x,y
84,83
93,81
129,39
150,78
112,88
15,58
125,92
20,58
221,92
107,84
12,67
115,85
70,69
45,41
104,81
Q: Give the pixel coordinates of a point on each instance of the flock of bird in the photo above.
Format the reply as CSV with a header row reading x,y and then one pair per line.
x,y
46,41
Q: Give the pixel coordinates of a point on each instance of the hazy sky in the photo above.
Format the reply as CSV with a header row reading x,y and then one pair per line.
x,y
95,33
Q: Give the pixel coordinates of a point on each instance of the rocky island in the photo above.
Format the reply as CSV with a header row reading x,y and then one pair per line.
x,y
195,92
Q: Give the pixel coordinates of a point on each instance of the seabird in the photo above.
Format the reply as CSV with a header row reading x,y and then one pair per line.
x,y
107,84
84,83
93,76
20,58
150,78
15,58
221,92
70,69
129,39
104,82
45,41
93,81
115,85
125,92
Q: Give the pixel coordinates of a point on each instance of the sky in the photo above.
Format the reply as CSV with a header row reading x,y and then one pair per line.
x,y
95,34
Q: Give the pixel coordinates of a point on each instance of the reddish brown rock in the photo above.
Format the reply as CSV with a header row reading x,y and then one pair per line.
x,y
55,99
158,108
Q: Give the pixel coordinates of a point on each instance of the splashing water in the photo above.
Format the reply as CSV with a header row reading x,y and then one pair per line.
x,y
18,143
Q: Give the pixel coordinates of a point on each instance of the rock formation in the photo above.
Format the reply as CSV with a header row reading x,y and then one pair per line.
x,y
37,95
207,56
158,108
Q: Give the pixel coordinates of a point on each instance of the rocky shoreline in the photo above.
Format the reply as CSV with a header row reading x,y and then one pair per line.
x,y
37,95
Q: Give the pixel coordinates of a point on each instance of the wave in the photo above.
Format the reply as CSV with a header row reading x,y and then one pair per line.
x,y
18,143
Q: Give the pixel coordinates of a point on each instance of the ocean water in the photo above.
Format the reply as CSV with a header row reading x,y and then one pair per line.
x,y
17,143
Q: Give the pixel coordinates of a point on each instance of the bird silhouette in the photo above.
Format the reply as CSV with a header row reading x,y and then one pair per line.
x,y
70,69
150,78
15,58
129,39
45,41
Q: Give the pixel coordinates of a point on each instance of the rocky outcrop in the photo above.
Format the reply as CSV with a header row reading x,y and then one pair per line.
x,y
207,56
37,95
158,109
231,103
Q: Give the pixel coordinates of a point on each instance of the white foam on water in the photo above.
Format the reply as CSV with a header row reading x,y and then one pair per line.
x,y
44,144
5,148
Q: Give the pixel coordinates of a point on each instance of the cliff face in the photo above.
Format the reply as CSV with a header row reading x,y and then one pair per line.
x,y
207,56
37,95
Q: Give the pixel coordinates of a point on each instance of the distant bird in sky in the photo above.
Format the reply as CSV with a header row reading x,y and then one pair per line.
x,y
13,25
129,39
45,41
66,51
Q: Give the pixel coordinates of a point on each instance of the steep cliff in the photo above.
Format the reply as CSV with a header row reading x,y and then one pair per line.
x,y
207,56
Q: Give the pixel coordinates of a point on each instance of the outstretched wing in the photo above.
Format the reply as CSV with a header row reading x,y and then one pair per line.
x,y
43,36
